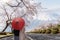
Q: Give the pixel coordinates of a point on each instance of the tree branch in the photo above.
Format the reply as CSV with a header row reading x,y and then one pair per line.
x,y
13,12
5,11
7,24
15,5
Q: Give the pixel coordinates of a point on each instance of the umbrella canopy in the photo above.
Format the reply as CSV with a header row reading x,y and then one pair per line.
x,y
18,23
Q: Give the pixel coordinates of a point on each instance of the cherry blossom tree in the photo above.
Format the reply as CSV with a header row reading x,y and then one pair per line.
x,y
18,8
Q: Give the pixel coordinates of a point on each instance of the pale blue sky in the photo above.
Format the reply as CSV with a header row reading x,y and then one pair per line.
x,y
50,3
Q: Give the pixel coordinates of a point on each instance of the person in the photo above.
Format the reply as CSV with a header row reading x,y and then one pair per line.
x,y
17,26
16,34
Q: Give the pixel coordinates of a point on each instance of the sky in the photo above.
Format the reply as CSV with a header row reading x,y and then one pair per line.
x,y
51,13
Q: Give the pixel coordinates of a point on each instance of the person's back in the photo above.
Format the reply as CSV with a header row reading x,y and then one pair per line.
x,y
16,34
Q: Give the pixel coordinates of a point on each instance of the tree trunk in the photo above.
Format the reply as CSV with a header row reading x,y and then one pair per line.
x,y
5,27
7,24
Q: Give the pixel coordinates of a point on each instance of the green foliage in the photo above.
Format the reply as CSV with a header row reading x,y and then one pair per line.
x,y
48,31
54,30
58,25
59,30
43,31
37,31
3,33
40,31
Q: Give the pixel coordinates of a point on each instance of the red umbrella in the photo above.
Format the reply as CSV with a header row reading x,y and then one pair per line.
x,y
18,23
